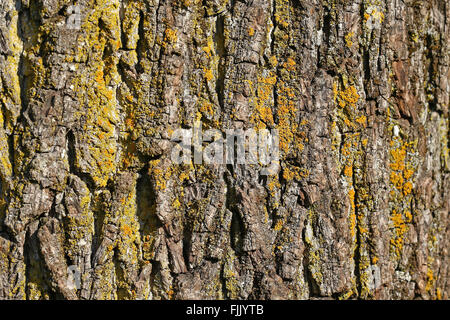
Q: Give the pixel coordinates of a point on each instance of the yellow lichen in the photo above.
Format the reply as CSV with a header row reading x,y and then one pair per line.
x,y
208,74
430,279
400,229
291,172
290,64
347,97
348,171
176,204
170,37
348,39
351,195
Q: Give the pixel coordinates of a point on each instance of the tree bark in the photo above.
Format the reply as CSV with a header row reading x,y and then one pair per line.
x,y
358,91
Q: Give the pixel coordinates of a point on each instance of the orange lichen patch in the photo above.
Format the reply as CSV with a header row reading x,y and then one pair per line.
x,y
348,39
102,148
176,203
207,50
290,173
348,123
348,171
282,13
273,61
251,31
400,229
407,188
346,148
364,142
170,293
265,115
350,96
351,195
101,115
347,114
438,294
335,92
262,116
129,122
126,231
408,173
286,112
273,185
207,108
183,176
270,80
279,225
160,175
430,280
99,76
375,13
362,230
408,216
397,180
362,120
290,64
129,98
170,36
398,158
401,172
208,73
347,97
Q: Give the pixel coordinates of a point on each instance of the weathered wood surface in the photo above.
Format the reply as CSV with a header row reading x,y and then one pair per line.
x,y
359,91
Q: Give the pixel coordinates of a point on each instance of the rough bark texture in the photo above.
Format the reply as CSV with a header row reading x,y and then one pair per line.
x,y
358,89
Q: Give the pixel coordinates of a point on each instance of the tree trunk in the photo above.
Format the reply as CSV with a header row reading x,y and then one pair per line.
x,y
93,207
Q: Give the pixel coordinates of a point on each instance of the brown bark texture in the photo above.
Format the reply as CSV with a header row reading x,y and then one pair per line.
x,y
93,207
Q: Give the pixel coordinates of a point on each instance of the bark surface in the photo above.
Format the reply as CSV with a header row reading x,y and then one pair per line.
x,y
359,91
